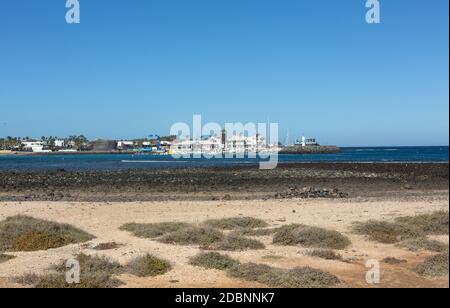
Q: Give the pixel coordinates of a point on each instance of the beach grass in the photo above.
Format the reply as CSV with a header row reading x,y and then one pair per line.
x,y
107,246
435,266
213,260
235,223
95,272
310,237
405,228
203,236
256,232
326,254
234,242
155,230
24,233
422,243
148,266
301,277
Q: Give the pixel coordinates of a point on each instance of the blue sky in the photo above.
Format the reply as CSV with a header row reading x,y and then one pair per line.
x,y
132,68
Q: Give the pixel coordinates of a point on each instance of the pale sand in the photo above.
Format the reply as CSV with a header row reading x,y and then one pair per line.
x,y
104,219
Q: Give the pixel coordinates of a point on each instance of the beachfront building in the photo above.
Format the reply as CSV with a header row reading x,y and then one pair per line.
x,y
125,145
35,146
214,145
59,143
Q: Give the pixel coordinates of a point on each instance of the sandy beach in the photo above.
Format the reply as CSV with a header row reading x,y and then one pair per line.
x,y
381,193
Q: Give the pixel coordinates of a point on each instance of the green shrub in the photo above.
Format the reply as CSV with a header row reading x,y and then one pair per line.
x,y
213,260
235,243
421,243
95,272
203,236
431,224
107,246
236,223
153,230
304,277
404,228
311,237
326,254
148,266
24,233
256,232
436,266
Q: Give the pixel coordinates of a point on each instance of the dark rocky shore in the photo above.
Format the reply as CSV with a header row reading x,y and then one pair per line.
x,y
289,180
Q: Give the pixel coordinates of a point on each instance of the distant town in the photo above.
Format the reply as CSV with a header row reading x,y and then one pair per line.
x,y
162,145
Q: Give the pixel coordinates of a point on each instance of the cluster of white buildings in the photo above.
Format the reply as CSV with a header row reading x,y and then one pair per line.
x,y
218,145
43,147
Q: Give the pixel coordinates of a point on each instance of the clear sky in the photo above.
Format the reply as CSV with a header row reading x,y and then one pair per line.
x,y
134,67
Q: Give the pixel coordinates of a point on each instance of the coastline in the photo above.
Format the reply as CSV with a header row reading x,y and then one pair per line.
x,y
243,182
100,202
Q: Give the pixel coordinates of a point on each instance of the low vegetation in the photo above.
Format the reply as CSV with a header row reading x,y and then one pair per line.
x,y
203,236
24,233
436,266
310,237
326,254
422,243
304,277
95,272
213,260
393,261
209,235
436,223
234,242
148,266
107,246
256,232
236,223
405,228
5,258
152,231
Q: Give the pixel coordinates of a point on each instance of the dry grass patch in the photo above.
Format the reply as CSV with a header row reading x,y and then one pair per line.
x,y
213,260
155,230
95,272
107,246
234,242
311,237
148,266
436,266
421,243
393,261
24,233
203,236
436,223
236,223
256,232
326,254
5,258
304,277
405,228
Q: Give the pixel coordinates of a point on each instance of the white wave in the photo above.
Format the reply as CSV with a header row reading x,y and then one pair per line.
x,y
153,161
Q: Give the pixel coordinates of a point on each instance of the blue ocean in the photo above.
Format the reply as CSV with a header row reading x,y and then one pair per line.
x,y
112,162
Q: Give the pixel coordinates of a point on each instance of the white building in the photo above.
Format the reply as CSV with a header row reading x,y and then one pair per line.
x,y
60,143
307,142
34,146
213,145
123,145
